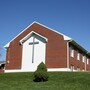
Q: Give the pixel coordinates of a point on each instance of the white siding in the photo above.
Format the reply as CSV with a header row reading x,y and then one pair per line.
x,y
39,54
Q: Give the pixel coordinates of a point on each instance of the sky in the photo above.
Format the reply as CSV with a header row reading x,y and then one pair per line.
x,y
70,17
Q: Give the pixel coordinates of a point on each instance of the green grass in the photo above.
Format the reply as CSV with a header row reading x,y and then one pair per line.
x,y
57,81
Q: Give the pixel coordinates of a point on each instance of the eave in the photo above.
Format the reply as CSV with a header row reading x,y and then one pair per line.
x,y
80,47
64,36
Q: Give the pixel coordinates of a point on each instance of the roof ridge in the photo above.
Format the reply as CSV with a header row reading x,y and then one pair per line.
x,y
65,36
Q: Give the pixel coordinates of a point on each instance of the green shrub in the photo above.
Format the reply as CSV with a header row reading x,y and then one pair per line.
x,y
42,67
41,75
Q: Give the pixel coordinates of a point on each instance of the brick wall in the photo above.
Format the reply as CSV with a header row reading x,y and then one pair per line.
x,y
79,63
55,49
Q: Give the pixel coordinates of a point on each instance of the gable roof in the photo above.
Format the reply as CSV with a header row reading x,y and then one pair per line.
x,y
65,37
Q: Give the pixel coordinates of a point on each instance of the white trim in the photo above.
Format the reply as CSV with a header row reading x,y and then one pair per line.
x,y
16,70
85,63
71,52
29,35
62,69
49,69
83,58
67,55
19,34
7,45
59,69
78,55
87,60
65,37
27,59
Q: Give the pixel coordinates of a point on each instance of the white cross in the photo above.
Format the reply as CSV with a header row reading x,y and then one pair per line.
x,y
33,43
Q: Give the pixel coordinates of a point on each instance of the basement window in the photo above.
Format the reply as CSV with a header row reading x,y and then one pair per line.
x,y
72,67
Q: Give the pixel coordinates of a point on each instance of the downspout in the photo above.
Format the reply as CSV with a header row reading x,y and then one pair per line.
x,y
85,64
86,61
6,61
68,54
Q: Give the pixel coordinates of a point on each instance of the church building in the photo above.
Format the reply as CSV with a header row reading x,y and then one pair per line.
x,y
39,43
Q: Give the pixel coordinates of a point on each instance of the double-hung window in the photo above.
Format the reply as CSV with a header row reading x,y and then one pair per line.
x,y
78,55
83,58
87,61
71,52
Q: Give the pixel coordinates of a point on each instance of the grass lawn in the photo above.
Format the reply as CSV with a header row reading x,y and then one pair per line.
x,y
57,81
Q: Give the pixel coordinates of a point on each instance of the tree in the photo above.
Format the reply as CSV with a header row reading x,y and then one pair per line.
x,y
41,75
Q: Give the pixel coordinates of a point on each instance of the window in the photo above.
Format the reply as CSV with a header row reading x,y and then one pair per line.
x,y
72,67
83,69
78,55
87,61
71,52
78,69
83,58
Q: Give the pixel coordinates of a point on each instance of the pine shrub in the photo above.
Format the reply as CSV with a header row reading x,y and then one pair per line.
x,y
41,75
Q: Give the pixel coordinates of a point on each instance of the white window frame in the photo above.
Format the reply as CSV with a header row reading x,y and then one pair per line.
x,y
87,60
71,51
78,68
83,58
72,68
78,55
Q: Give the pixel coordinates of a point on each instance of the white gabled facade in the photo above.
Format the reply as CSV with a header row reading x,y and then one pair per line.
x,y
31,59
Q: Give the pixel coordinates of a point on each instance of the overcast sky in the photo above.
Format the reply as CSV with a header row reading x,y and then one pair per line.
x,y
70,17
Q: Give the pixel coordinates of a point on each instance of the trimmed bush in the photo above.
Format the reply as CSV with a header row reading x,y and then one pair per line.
x,y
41,75
42,67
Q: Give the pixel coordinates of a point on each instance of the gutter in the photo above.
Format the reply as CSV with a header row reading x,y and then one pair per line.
x,y
80,48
